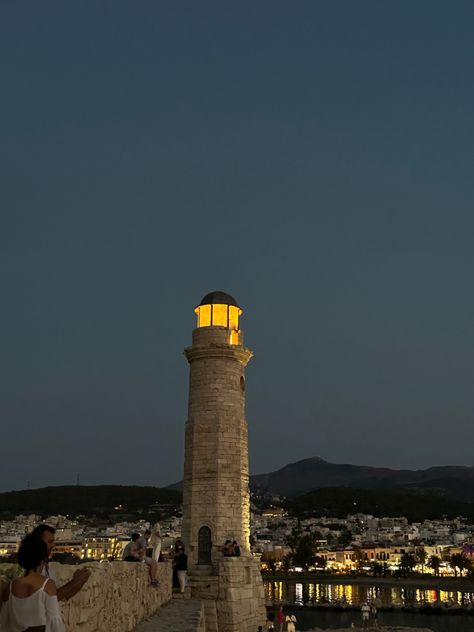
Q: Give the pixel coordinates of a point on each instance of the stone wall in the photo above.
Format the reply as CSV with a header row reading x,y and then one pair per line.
x,y
241,600
116,598
233,597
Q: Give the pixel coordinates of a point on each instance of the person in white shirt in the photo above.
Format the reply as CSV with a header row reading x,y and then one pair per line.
x,y
155,541
365,609
290,623
31,602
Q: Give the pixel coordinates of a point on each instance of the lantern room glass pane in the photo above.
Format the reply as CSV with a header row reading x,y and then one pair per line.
x,y
219,315
234,317
204,315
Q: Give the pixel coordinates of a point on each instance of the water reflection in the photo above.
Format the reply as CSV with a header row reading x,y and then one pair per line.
x,y
355,594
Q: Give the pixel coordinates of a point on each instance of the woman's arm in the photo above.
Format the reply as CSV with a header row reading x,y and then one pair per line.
x,y
53,614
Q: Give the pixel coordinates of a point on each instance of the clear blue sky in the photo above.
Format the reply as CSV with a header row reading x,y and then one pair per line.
x,y
314,159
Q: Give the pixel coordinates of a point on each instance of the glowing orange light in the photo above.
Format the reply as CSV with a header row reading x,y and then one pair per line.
x,y
220,315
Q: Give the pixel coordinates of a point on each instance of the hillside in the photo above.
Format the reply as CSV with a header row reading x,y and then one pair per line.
x,y
340,501
101,500
315,473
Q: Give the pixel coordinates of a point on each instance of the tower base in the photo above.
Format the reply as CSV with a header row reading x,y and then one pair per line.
x,y
232,594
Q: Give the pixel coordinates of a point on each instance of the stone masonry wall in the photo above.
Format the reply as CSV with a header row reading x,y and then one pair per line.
x,y
241,600
216,478
116,598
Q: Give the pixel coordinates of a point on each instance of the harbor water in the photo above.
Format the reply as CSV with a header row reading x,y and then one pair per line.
x,y
337,605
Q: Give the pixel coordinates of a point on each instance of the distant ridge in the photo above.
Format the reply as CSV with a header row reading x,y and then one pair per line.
x,y
315,473
291,480
87,500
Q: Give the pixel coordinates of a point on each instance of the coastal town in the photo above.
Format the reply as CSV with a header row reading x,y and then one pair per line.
x,y
358,543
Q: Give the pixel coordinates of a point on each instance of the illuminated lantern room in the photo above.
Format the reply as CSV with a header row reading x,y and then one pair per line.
x,y
218,309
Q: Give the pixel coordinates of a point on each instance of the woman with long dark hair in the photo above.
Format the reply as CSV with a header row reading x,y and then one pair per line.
x,y
30,603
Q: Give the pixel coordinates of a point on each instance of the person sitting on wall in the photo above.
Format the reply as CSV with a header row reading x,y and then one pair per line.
x,y
133,552
145,543
227,548
235,549
155,543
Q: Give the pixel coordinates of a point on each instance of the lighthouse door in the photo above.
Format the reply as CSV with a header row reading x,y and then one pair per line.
x,y
204,546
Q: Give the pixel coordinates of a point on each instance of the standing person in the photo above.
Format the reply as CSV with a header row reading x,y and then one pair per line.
x,y
280,619
177,549
270,621
31,601
373,614
181,563
290,623
365,609
155,542
47,534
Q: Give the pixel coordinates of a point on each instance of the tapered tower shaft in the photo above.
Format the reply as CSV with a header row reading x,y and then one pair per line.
x,y
216,478
216,503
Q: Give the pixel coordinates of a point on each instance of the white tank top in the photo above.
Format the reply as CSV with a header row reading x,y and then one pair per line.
x,y
20,613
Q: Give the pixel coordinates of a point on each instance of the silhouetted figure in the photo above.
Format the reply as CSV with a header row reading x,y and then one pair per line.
x,y
181,563
235,549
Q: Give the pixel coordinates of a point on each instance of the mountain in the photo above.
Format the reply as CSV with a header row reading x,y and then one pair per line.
x,y
316,473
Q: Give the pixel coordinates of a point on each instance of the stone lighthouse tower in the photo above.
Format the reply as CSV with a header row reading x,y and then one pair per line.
x,y
216,504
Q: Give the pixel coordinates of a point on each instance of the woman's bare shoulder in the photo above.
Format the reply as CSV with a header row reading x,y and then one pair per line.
x,y
27,585
50,588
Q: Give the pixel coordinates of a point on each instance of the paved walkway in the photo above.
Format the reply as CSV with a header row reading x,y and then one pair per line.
x,y
181,615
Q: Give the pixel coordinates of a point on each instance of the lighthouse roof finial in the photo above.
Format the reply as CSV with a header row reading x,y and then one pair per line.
x,y
218,298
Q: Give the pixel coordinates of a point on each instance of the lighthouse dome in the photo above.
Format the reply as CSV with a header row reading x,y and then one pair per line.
x,y
218,298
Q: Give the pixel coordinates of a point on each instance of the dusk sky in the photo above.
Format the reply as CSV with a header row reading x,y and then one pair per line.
x,y
314,159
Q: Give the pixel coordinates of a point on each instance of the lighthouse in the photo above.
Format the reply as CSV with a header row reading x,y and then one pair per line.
x,y
216,504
